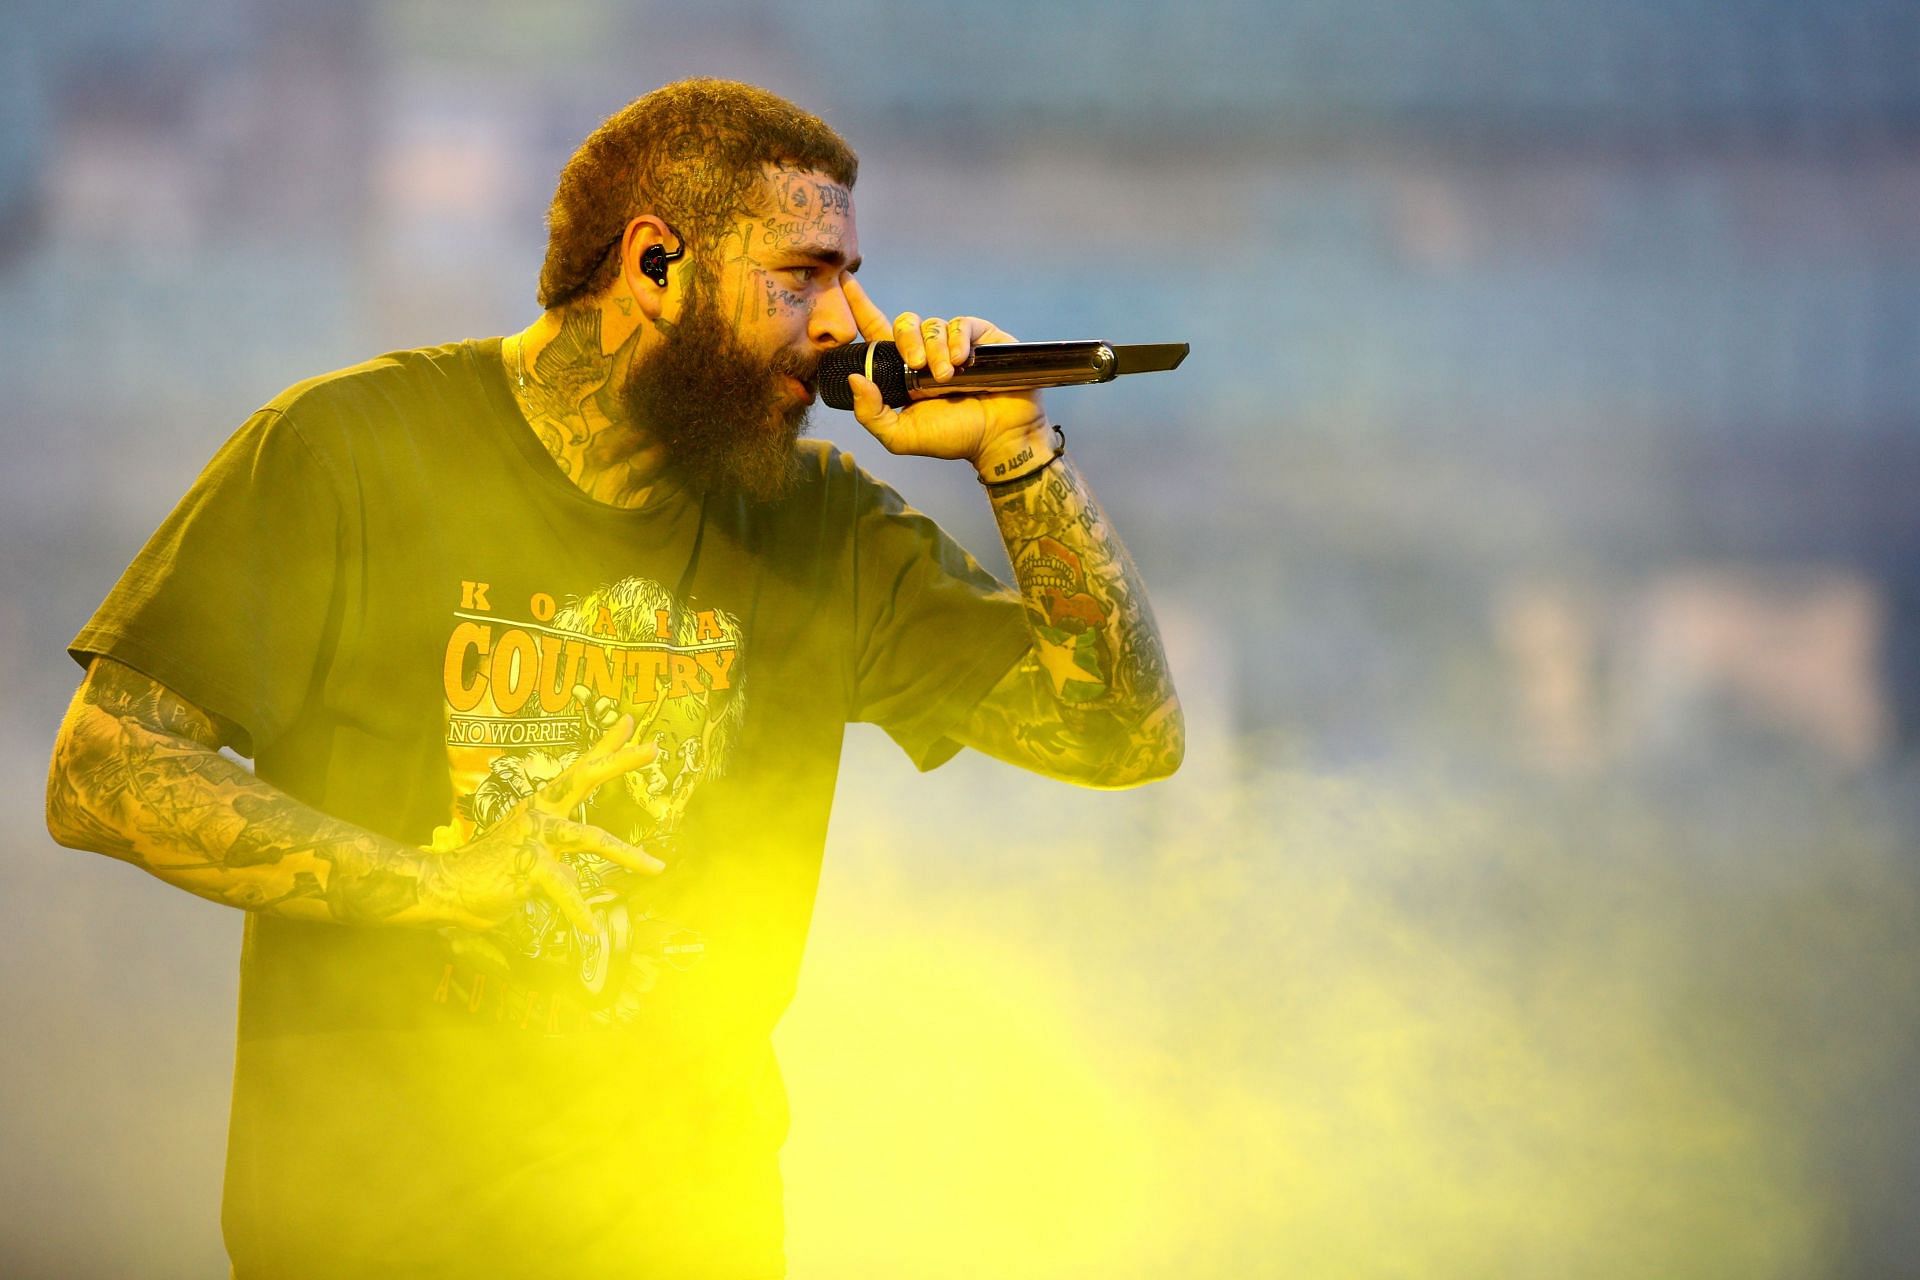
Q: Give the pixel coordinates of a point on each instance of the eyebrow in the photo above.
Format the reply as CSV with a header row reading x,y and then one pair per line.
x,y
831,257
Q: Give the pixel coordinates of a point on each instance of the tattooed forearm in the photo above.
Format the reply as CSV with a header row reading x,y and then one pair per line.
x,y
137,775
1092,701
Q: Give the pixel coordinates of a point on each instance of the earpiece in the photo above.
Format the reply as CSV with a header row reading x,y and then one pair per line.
x,y
654,259
653,264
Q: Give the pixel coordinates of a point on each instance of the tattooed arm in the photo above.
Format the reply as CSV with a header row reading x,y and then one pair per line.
x,y
137,775
1092,701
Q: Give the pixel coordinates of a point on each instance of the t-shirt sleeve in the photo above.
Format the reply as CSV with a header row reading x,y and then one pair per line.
x,y
228,602
935,631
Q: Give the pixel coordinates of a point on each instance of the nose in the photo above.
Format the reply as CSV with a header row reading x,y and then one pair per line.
x,y
832,324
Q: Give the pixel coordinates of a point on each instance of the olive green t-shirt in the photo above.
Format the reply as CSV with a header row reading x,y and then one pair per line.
x,y
413,618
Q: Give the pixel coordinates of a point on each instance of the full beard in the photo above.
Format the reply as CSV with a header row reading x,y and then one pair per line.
x,y
724,415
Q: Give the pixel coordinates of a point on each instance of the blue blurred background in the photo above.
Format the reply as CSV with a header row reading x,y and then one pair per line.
x,y
1534,524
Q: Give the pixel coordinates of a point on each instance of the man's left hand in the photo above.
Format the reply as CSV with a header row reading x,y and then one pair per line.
x,y
991,431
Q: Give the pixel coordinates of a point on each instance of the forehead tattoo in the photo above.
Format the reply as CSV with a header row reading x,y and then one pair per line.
x,y
810,213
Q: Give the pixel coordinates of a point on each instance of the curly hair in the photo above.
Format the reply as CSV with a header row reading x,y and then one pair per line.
x,y
693,153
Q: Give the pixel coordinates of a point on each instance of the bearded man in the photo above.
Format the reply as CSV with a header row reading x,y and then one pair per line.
x,y
543,647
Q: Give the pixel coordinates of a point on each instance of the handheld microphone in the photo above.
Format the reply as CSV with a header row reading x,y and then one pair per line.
x,y
999,366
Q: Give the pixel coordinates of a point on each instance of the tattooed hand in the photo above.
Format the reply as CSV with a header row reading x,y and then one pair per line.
x,y
481,883
990,431
136,774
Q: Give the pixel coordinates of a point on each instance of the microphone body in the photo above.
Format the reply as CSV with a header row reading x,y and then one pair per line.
x,y
1002,366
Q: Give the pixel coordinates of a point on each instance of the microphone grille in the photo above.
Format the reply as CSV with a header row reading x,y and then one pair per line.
x,y
889,374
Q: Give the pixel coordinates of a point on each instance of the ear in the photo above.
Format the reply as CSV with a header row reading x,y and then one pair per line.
x,y
648,248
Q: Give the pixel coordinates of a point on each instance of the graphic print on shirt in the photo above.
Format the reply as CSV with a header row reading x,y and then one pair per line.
x,y
525,696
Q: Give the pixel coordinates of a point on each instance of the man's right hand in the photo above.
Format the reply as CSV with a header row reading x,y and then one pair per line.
x,y
137,774
480,884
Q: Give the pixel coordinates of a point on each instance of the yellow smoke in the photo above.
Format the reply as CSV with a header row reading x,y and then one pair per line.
x,y
1332,1030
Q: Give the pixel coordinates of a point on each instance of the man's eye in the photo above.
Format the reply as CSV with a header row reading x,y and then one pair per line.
x,y
804,275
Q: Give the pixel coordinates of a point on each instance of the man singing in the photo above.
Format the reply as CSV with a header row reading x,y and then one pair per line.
x,y
542,647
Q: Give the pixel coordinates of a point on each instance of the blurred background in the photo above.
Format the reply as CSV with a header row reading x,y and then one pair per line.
x,y
1534,525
